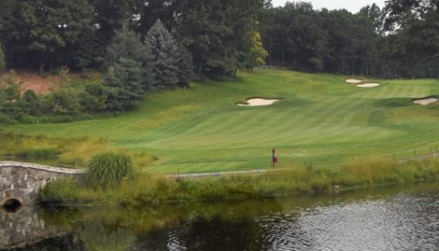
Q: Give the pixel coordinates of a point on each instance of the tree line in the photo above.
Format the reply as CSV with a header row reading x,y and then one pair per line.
x,y
221,37
400,40
47,34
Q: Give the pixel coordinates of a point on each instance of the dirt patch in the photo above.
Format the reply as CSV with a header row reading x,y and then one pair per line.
x,y
369,85
32,81
259,102
425,101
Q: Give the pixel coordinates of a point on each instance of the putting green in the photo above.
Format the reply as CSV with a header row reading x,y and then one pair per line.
x,y
320,121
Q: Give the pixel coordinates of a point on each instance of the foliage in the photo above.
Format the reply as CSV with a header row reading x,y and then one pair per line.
x,y
217,39
39,30
11,102
257,54
400,40
330,41
128,71
413,38
33,105
166,56
63,102
108,169
123,80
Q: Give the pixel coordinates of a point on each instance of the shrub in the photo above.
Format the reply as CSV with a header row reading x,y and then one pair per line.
x,y
108,169
5,119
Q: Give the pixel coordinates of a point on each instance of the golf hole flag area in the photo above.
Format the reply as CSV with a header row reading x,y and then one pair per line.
x,y
318,122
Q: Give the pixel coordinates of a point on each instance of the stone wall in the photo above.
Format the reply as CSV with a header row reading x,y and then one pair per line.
x,y
23,181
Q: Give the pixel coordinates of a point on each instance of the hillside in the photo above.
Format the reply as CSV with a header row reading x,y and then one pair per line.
x,y
321,121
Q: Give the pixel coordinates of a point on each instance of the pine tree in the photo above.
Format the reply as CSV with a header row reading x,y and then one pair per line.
x,y
128,71
166,56
185,71
124,82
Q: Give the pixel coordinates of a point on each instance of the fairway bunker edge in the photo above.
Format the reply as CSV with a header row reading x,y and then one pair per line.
x,y
426,100
369,85
259,102
353,81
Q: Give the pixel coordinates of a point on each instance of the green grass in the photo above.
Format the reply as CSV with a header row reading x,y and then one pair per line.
x,y
321,120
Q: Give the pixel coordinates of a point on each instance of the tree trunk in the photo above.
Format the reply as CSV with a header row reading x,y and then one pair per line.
x,y
42,64
41,68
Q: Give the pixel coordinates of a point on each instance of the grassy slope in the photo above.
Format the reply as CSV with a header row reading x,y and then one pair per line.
x,y
321,120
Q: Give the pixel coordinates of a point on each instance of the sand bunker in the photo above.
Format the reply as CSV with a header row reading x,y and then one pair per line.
x,y
369,85
426,101
259,102
353,81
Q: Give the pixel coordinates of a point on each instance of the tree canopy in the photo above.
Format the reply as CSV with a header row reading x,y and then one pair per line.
x,y
220,37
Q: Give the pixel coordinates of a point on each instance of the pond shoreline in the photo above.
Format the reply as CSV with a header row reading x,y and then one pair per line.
x,y
142,189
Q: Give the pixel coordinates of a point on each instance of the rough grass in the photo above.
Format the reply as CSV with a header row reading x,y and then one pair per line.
x,y
68,152
321,121
142,189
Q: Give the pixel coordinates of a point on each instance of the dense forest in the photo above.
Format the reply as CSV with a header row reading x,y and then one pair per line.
x,y
141,45
400,40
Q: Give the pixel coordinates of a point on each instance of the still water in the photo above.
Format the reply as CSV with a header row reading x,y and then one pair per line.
x,y
383,219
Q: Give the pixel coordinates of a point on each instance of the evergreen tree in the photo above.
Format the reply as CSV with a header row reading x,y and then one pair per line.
x,y
185,67
128,70
124,81
166,56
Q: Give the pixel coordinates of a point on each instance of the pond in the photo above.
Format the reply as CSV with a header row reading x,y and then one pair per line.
x,y
380,219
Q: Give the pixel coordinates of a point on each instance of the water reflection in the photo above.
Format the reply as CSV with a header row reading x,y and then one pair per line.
x,y
391,219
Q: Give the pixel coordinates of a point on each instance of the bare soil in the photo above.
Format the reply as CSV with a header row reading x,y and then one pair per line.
x,y
32,81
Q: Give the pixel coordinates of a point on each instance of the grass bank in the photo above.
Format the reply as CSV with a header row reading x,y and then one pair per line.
x,y
320,120
142,189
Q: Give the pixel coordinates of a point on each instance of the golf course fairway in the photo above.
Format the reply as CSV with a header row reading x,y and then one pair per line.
x,y
319,120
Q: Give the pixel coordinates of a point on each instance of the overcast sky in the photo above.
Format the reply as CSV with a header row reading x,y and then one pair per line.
x,y
351,5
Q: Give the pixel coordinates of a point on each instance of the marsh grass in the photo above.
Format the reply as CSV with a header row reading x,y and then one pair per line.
x,y
143,189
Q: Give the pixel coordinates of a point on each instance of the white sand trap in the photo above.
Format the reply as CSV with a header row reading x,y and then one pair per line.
x,y
369,85
353,81
426,101
259,102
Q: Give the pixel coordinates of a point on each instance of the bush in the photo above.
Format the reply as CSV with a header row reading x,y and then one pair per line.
x,y
108,169
28,119
6,120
